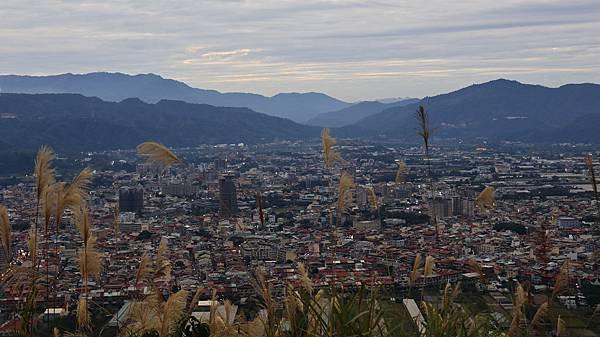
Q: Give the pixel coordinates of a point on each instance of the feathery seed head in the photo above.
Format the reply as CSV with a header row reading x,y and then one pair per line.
x,y
157,154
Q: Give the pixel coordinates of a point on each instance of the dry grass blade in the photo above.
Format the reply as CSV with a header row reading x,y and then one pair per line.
x,y
116,222
172,311
424,128
344,195
59,198
259,205
163,264
81,216
49,203
44,174
515,325
330,154
83,314
414,274
487,198
561,282
429,265
76,192
561,327
446,296
144,269
520,297
540,314
89,260
304,278
474,266
373,200
157,154
456,291
143,315
32,243
195,300
590,165
401,172
5,231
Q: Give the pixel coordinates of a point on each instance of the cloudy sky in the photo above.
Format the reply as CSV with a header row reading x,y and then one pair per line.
x,y
352,50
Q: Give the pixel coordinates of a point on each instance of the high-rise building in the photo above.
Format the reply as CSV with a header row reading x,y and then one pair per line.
x,y
131,199
220,164
227,196
442,207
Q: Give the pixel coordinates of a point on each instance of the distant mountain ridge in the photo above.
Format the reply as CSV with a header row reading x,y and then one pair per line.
x,y
354,113
499,110
74,123
152,88
495,111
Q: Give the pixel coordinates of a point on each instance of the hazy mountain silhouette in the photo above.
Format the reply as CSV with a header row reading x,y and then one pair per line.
x,y
152,88
497,110
354,113
72,122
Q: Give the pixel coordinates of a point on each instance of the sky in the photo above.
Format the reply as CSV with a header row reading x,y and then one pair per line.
x,y
352,50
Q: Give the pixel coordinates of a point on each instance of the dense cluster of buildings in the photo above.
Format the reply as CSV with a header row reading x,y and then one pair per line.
x,y
219,234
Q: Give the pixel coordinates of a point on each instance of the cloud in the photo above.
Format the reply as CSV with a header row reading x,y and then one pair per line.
x,y
350,49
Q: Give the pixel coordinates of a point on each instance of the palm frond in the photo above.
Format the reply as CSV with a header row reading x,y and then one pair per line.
x,y
157,154
5,231
44,173
330,154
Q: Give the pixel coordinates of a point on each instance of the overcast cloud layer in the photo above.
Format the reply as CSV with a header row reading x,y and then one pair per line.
x,y
352,50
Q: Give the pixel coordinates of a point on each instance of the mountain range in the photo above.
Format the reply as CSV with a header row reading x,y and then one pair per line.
x,y
72,122
499,110
496,111
152,88
355,112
